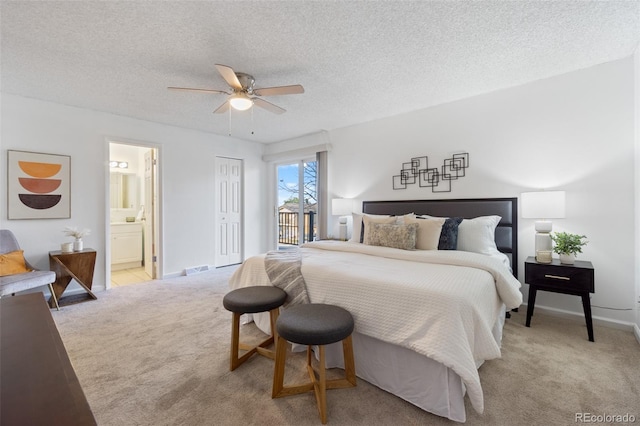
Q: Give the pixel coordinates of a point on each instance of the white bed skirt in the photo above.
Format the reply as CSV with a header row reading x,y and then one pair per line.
x,y
415,378
409,375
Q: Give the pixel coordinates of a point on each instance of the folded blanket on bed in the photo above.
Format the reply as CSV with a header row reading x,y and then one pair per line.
x,y
283,269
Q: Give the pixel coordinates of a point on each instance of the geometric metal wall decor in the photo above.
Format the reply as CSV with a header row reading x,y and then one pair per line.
x,y
438,179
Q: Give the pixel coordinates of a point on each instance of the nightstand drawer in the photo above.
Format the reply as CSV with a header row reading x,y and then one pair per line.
x,y
560,277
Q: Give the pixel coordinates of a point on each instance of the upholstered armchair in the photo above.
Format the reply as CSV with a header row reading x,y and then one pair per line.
x,y
16,274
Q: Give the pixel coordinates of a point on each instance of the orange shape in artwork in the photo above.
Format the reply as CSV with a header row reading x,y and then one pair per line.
x,y
39,170
40,186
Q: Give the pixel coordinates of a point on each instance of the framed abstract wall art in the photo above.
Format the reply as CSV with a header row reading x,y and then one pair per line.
x,y
39,185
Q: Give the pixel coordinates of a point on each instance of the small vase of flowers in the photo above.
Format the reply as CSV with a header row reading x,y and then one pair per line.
x,y
568,246
78,244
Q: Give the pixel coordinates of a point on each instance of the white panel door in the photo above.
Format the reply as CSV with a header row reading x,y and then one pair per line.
x,y
228,211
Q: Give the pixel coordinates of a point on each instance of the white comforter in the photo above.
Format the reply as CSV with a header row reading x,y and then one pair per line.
x,y
441,304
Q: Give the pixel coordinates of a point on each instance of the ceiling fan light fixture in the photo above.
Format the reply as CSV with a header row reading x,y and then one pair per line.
x,y
240,101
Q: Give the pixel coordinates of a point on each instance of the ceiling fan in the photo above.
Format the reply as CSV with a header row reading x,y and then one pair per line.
x,y
243,95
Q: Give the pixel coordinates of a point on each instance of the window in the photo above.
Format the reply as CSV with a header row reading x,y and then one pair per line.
x,y
297,191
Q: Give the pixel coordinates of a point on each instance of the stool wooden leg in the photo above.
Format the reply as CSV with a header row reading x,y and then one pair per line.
x,y
235,341
349,379
279,389
273,315
349,363
319,384
278,369
321,387
260,348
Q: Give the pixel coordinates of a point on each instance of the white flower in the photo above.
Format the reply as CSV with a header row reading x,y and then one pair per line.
x,y
72,231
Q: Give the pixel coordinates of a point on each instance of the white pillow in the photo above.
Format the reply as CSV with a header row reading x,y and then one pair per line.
x,y
478,235
368,219
401,220
428,232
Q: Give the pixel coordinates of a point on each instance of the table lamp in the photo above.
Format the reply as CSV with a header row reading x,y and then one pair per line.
x,y
543,205
342,207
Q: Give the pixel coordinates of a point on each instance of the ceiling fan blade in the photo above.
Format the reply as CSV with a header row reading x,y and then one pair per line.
x,y
222,108
198,90
268,106
229,76
279,90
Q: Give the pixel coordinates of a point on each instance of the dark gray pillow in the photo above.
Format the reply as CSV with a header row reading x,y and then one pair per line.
x,y
449,234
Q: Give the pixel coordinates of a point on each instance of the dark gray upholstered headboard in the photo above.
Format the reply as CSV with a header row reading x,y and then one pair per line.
x,y
507,208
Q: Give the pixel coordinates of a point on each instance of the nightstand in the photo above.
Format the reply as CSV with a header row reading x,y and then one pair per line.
x,y
576,279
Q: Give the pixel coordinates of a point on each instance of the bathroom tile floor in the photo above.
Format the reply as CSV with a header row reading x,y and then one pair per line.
x,y
128,276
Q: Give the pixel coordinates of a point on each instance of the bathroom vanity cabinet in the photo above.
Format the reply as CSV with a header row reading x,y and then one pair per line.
x,y
126,245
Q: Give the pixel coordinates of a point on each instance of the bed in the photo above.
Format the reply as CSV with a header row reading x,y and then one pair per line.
x,y
425,319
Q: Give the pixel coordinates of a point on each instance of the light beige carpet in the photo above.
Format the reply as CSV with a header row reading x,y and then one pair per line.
x,y
157,354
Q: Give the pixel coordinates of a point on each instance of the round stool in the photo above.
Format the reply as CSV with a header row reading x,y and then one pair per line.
x,y
251,300
314,324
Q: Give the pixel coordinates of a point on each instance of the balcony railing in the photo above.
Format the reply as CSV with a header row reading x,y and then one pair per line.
x,y
288,227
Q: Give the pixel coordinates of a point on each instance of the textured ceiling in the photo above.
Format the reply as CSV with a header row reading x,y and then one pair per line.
x,y
358,61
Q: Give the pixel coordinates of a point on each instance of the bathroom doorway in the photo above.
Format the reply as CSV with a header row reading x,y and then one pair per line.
x,y
133,213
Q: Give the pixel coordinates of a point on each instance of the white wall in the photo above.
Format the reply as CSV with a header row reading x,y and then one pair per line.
x,y
573,132
186,174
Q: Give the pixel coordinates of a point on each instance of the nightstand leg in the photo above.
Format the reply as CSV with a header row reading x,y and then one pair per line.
x,y
531,303
586,305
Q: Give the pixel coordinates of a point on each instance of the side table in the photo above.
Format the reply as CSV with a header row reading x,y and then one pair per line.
x,y
576,279
78,265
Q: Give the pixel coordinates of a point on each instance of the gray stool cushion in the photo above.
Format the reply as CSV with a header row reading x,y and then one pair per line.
x,y
250,300
315,324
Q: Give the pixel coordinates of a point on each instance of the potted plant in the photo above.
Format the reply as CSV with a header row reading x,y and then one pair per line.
x,y
568,246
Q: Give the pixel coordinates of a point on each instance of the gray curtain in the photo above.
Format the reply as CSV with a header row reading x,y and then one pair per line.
x,y
321,159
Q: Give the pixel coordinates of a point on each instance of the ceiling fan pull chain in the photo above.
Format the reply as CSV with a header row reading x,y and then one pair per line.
x,y
252,126
229,121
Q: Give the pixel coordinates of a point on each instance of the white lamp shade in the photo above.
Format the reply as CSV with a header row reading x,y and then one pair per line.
x,y
341,206
543,205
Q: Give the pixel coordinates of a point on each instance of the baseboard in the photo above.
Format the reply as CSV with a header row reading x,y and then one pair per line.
x,y
605,322
173,275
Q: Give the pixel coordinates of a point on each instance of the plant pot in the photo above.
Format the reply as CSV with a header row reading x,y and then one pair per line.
x,y
567,259
78,245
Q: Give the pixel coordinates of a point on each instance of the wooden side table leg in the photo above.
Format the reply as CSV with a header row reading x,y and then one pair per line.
x,y
59,286
53,296
531,303
586,305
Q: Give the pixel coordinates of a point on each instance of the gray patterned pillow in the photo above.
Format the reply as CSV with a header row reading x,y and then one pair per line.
x,y
389,235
